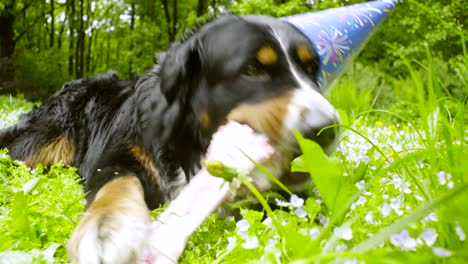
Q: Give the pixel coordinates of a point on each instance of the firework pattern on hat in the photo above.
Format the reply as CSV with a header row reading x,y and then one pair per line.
x,y
339,33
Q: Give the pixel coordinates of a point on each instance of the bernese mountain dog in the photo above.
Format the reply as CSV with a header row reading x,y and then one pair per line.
x,y
136,143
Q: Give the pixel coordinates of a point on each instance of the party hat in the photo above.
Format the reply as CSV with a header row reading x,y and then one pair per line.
x,y
338,34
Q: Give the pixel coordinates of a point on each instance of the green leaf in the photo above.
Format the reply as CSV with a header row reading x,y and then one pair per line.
x,y
19,213
334,189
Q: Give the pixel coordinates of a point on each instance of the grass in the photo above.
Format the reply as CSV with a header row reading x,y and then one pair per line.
x,y
395,191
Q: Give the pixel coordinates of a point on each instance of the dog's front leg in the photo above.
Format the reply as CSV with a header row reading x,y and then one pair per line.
x,y
114,226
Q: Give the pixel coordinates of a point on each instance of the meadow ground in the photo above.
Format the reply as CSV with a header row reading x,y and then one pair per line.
x,y
395,191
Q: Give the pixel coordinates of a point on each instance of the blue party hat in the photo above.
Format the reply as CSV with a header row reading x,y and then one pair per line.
x,y
338,34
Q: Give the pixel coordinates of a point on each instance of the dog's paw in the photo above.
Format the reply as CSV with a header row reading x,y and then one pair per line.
x,y
113,229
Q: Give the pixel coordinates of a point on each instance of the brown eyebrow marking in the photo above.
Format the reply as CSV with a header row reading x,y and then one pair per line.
x,y
303,53
266,55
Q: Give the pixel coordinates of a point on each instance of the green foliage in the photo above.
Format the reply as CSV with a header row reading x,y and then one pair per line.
x,y
40,209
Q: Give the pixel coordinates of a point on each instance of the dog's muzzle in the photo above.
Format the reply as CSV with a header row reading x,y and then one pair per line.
x,y
313,116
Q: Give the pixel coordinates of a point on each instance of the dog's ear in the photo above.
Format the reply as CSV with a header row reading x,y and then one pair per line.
x,y
178,64
160,111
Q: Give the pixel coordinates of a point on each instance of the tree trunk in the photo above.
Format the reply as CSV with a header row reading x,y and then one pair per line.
x,y
201,8
132,26
168,20
174,20
71,50
52,24
7,37
80,45
7,41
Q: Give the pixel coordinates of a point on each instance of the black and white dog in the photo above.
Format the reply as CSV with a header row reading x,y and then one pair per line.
x,y
136,143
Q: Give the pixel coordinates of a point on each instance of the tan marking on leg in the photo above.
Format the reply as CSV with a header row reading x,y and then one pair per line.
x,y
114,227
146,162
59,149
265,117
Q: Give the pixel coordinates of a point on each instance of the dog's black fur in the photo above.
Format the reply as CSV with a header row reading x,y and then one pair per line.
x,y
108,127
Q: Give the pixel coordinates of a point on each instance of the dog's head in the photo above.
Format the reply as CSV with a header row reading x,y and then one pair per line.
x,y
255,70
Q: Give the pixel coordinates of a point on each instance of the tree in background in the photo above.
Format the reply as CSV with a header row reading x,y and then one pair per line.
x,y
47,42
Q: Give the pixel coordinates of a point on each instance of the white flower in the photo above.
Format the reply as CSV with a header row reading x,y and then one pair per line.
x,y
441,252
281,203
432,217
323,219
385,196
369,217
360,185
429,236
419,198
351,261
442,177
319,202
344,232
300,212
385,210
450,185
397,181
361,201
395,203
231,243
314,233
460,233
267,222
243,225
406,187
250,243
296,201
404,241
341,247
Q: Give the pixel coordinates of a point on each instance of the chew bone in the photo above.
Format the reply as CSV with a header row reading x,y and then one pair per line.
x,y
168,235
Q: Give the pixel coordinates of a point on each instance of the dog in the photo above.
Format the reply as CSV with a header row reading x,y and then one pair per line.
x,y
136,143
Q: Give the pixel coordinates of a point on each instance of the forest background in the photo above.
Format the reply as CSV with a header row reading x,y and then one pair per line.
x,y
45,43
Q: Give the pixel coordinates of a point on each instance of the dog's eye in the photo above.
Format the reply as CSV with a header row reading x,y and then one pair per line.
x,y
252,71
310,69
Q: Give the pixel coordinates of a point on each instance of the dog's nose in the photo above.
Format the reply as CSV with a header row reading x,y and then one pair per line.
x,y
314,114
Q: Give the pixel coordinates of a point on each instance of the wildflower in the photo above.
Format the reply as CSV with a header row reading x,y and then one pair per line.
x,y
395,203
432,217
314,233
281,203
243,226
344,232
429,236
250,243
406,187
460,233
441,252
397,181
450,185
319,202
296,201
369,217
385,210
341,247
360,185
323,219
419,198
300,212
267,222
361,200
443,177
404,241
351,261
231,243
